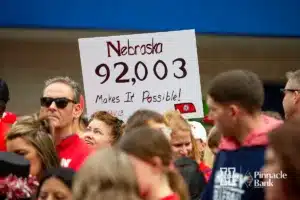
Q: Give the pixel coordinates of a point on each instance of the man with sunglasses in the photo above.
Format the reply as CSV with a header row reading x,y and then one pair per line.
x,y
60,103
291,100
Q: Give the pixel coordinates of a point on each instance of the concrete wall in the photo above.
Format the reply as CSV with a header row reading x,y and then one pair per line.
x,y
25,64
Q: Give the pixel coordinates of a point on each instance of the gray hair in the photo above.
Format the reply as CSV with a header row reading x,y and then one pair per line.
x,y
68,81
294,77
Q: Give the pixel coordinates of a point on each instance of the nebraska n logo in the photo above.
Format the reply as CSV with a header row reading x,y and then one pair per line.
x,y
65,162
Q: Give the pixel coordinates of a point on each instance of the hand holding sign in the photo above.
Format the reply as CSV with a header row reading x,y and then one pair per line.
x,y
156,71
103,70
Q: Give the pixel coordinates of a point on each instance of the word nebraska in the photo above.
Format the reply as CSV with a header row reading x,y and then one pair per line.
x,y
129,49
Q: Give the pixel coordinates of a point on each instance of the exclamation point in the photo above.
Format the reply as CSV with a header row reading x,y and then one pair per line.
x,y
179,95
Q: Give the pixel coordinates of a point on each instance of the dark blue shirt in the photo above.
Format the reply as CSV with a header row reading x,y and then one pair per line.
x,y
236,175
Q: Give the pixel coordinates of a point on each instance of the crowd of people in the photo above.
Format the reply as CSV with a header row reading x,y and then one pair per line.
x,y
243,154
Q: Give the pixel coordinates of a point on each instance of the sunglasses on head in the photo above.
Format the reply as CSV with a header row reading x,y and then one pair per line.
x,y
59,102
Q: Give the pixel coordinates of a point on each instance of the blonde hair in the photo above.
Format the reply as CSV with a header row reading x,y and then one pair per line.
x,y
177,123
208,157
107,174
37,133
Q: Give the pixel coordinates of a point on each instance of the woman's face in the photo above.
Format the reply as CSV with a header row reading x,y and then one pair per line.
x,y
98,134
54,189
22,147
272,166
181,142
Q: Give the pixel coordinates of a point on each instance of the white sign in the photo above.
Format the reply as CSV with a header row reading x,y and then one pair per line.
x,y
157,71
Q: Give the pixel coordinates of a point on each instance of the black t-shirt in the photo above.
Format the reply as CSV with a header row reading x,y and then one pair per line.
x,y
193,177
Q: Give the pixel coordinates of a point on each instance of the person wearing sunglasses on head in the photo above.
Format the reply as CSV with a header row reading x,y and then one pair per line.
x,y
291,100
60,103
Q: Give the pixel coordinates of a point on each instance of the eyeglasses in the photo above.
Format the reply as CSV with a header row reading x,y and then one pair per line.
x,y
59,102
284,90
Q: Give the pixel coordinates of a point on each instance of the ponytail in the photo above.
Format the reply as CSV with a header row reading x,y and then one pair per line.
x,y
177,184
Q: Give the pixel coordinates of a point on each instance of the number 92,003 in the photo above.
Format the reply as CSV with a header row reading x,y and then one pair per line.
x,y
179,63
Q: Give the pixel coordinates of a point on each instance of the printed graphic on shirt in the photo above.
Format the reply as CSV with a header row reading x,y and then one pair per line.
x,y
231,185
65,162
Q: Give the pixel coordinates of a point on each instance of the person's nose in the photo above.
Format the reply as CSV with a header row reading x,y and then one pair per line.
x,y
88,135
52,107
184,151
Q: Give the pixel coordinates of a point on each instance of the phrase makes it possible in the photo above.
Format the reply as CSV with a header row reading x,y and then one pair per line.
x,y
147,97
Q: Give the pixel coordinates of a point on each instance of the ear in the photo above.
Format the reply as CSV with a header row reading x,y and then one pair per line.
x,y
234,110
77,111
157,164
296,97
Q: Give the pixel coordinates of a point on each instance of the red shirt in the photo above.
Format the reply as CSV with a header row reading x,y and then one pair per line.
x,y
173,196
206,170
7,119
72,152
3,130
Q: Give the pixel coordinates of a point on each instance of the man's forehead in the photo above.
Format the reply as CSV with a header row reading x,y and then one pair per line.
x,y
211,103
58,89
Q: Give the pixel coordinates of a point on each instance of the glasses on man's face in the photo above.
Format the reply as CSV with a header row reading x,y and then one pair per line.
x,y
284,90
60,103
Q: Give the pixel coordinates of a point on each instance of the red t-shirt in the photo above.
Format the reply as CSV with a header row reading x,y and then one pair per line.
x,y
173,196
3,130
9,117
6,120
72,152
206,170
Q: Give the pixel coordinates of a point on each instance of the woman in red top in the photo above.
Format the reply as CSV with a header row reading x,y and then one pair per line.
x,y
151,155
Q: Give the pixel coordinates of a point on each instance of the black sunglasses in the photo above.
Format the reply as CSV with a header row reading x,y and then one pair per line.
x,y
283,90
59,102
